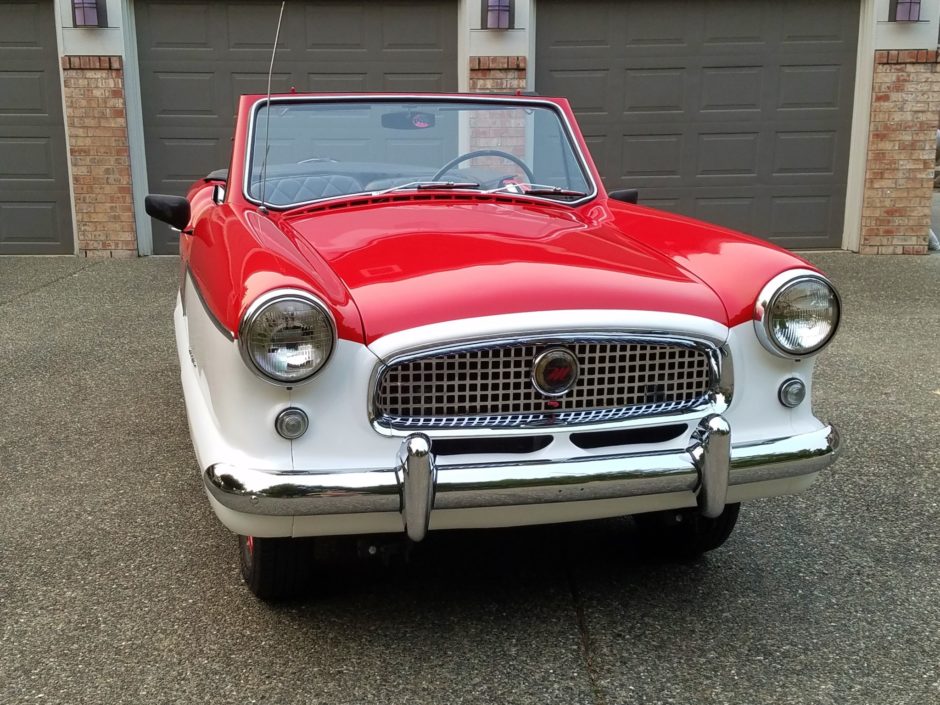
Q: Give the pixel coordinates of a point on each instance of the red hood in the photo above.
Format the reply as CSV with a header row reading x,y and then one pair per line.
x,y
407,265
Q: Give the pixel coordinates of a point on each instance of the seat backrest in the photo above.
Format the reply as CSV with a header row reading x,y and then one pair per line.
x,y
282,191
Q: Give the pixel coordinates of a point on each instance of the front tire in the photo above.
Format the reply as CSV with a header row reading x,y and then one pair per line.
x,y
276,568
685,533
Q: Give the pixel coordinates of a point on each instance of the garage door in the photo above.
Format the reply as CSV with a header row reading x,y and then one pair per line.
x,y
196,58
733,111
35,209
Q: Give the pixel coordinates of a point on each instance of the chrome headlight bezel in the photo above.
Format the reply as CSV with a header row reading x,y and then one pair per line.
x,y
259,306
768,298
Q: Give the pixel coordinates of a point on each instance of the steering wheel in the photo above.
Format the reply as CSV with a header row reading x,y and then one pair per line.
x,y
485,153
317,160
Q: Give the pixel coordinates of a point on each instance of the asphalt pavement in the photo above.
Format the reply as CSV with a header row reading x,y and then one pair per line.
x,y
118,585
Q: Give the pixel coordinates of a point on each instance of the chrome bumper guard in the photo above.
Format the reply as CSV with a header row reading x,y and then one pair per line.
x,y
417,485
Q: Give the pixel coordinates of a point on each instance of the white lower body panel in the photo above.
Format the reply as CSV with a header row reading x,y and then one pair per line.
x,y
253,476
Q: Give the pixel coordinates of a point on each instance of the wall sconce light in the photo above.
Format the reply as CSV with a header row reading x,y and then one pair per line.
x,y
904,11
90,13
498,14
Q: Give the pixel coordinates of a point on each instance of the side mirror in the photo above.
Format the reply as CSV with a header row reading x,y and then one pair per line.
x,y
172,210
627,195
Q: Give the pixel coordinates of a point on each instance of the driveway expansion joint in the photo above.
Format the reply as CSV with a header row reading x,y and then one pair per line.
x,y
46,285
584,634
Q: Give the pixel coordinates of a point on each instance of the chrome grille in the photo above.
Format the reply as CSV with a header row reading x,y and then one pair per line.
x,y
485,387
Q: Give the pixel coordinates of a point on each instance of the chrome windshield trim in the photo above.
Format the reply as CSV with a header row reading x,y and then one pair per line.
x,y
413,98
717,400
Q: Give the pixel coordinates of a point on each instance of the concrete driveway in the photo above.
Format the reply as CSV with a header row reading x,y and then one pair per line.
x,y
118,585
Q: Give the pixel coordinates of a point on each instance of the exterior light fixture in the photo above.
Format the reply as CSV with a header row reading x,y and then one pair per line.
x,y
792,393
498,14
90,13
904,11
291,424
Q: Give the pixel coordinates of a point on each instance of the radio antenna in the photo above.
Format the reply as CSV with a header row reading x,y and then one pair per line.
x,y
267,121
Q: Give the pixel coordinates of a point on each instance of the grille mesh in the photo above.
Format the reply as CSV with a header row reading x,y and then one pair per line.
x,y
492,386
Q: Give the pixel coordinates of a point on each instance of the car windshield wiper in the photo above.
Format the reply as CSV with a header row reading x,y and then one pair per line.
x,y
422,185
524,189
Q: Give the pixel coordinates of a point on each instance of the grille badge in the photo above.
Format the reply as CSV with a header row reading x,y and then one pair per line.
x,y
554,372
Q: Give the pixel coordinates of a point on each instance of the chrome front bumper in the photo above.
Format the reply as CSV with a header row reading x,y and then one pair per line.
x,y
418,484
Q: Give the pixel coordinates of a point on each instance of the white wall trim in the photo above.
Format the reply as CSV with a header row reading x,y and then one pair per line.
x,y
861,126
530,59
463,46
906,35
136,144
60,52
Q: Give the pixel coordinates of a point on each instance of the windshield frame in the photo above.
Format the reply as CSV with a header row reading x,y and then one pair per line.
x,y
583,162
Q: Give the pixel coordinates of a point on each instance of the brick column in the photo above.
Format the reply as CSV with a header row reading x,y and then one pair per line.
x,y
497,74
901,152
505,132
99,156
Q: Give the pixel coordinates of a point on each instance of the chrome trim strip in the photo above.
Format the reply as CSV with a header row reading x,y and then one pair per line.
x,y
726,375
182,288
716,400
547,419
482,340
414,98
690,416
299,493
215,321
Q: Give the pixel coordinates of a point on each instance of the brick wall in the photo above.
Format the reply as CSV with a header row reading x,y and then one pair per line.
x,y
497,74
99,156
901,152
504,131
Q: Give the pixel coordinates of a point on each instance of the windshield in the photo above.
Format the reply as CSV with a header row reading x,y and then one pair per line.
x,y
327,149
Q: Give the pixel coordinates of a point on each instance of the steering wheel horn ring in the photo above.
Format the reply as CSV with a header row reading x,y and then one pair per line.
x,y
484,153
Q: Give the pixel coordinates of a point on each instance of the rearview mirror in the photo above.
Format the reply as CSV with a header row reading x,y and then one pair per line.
x,y
408,120
172,210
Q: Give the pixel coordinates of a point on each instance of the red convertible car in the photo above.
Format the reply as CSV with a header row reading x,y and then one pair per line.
x,y
407,313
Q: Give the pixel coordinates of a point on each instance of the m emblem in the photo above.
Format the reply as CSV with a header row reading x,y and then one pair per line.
x,y
554,372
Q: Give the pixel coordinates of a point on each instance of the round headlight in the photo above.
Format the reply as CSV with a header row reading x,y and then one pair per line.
x,y
286,336
797,314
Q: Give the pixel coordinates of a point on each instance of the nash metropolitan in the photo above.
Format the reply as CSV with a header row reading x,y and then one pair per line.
x,y
407,313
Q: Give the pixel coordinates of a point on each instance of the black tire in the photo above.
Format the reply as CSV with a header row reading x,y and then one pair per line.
x,y
685,533
276,568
